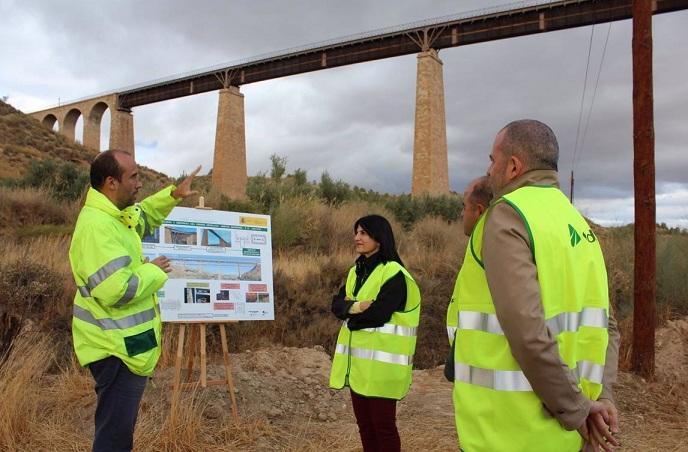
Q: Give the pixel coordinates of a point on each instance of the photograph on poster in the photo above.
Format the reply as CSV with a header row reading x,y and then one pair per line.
x,y
152,236
196,295
216,237
233,268
180,235
254,297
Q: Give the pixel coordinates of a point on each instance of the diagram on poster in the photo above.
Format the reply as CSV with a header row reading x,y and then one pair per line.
x,y
221,265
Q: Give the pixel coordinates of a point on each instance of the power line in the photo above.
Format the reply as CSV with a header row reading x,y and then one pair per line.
x,y
580,113
594,92
585,85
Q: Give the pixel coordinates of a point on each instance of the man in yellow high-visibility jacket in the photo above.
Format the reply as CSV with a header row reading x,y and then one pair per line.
x,y
476,199
536,346
116,324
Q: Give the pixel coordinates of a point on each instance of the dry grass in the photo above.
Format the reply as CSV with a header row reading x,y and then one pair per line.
x,y
31,208
20,374
48,399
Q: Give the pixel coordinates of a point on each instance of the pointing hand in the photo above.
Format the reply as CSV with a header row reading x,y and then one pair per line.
x,y
184,188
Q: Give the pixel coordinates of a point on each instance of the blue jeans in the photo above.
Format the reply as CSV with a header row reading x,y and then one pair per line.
x,y
119,393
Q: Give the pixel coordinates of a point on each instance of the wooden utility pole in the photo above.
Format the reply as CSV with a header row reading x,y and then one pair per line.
x,y
644,287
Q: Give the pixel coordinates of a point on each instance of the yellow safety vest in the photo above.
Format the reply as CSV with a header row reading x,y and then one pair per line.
x,y
495,406
378,362
115,306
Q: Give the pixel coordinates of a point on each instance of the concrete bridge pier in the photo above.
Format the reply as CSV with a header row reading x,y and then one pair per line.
x,y
430,165
229,161
121,131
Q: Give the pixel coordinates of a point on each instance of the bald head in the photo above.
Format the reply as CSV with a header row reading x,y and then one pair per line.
x,y
533,142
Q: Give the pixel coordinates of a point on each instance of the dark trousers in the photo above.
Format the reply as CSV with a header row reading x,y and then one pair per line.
x,y
377,423
119,394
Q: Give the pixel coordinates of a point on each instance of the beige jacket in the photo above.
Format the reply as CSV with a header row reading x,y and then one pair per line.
x,y
512,278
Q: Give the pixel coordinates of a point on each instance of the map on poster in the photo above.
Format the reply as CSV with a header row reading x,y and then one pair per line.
x,y
221,265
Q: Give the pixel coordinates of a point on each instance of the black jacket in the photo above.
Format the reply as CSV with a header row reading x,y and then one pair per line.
x,y
391,298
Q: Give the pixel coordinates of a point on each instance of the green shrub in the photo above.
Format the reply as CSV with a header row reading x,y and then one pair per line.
x,y
408,210
333,192
65,181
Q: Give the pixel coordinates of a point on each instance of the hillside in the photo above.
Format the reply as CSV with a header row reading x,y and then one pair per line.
x,y
24,140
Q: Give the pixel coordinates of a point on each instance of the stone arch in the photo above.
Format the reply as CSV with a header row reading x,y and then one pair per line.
x,y
49,121
69,124
92,123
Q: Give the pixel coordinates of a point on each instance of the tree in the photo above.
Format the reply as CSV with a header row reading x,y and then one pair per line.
x,y
279,166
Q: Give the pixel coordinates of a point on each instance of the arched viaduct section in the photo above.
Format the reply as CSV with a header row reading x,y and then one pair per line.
x,y
92,111
425,38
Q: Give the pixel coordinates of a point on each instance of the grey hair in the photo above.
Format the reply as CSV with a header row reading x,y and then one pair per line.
x,y
533,141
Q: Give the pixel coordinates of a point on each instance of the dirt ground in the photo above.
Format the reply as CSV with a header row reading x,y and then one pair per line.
x,y
285,405
288,388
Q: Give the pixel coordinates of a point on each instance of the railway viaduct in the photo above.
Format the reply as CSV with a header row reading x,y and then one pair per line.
x,y
425,38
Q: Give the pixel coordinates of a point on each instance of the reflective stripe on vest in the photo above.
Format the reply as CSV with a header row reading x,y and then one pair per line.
x,y
397,330
515,380
132,287
451,331
566,321
115,324
375,355
103,273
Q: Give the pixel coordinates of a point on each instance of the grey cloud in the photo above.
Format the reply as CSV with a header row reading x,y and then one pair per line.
x,y
354,120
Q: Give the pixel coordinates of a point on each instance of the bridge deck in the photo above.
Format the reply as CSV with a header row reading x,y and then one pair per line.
x,y
486,25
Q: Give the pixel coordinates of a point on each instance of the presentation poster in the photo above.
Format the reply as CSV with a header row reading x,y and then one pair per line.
x,y
221,266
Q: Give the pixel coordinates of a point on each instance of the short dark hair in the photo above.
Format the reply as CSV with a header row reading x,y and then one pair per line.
x,y
105,165
533,141
482,192
380,230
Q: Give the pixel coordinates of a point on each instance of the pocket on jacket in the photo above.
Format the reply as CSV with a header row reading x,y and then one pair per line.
x,y
140,343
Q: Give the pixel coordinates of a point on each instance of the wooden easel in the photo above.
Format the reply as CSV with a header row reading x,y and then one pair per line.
x,y
177,384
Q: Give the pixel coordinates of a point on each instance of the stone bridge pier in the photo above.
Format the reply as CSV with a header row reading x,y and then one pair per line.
x,y
229,160
92,110
430,164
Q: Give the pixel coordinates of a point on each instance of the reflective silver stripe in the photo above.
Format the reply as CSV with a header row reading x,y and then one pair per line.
x,y
590,371
106,270
515,380
132,287
500,380
572,321
375,355
566,321
471,320
389,328
83,290
115,324
451,331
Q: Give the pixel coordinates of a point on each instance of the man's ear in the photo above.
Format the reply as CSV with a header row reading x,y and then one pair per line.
x,y
110,183
515,167
481,209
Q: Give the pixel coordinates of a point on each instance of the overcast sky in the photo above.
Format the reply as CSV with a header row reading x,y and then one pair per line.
x,y
356,122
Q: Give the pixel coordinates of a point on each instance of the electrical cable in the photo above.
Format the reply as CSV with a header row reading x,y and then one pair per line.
x,y
594,92
585,85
